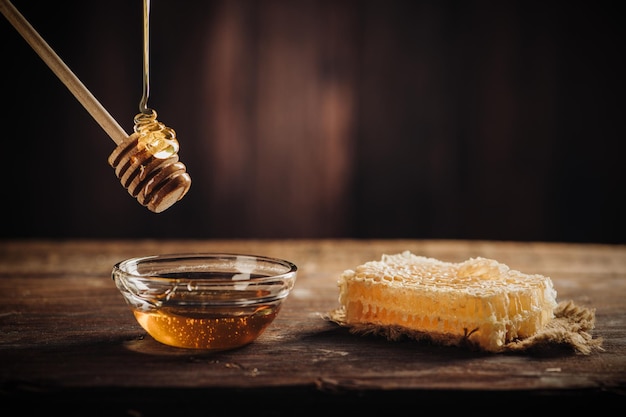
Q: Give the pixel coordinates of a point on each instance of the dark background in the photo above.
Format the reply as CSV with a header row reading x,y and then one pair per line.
x,y
361,119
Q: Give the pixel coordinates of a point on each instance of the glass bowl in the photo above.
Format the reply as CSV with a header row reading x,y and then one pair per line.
x,y
213,301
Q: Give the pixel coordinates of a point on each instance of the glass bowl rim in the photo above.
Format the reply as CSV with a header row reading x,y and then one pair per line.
x,y
120,268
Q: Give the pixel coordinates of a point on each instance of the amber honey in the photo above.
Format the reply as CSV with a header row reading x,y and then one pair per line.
x,y
223,315
215,331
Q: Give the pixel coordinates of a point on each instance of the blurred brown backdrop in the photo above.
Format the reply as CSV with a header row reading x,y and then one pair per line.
x,y
417,119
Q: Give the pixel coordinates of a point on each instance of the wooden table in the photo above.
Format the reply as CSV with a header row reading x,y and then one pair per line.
x,y
69,341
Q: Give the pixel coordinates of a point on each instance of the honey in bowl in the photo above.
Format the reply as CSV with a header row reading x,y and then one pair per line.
x,y
205,301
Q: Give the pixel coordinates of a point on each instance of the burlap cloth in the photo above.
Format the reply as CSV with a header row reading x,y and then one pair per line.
x,y
570,329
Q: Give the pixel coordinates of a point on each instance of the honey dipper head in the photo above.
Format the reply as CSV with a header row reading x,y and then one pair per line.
x,y
157,183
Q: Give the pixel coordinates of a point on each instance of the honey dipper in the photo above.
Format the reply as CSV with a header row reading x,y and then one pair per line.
x,y
146,162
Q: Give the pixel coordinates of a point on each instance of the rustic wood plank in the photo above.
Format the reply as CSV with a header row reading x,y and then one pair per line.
x,y
65,328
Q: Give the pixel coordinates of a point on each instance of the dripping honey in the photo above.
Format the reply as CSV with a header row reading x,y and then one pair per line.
x,y
159,139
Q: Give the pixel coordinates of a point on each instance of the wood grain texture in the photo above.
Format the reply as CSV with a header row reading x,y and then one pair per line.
x,y
66,331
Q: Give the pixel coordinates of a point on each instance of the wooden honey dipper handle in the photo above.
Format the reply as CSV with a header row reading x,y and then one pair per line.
x,y
156,183
62,71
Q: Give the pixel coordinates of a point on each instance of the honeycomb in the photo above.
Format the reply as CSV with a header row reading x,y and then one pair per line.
x,y
480,299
